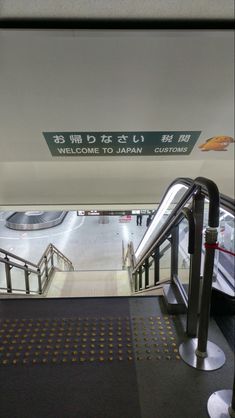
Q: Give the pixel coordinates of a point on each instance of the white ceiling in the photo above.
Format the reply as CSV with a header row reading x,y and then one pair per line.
x,y
95,9
111,81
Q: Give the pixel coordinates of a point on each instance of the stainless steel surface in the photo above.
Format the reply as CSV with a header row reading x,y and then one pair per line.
x,y
195,267
16,257
174,251
214,360
181,290
43,270
37,226
158,235
210,238
173,299
218,404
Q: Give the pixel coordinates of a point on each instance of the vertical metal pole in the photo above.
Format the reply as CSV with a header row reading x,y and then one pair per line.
x,y
156,265
26,275
146,269
52,257
39,282
195,267
222,403
136,281
174,251
140,277
211,238
8,276
232,407
46,266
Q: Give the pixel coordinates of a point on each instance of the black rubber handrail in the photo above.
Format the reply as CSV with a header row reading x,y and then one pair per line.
x,y
191,237
214,200
207,187
116,23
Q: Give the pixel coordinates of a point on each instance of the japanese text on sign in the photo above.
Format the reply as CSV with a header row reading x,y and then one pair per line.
x,y
119,143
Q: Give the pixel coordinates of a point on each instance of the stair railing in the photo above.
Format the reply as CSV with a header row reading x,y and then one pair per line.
x,y
197,352
36,276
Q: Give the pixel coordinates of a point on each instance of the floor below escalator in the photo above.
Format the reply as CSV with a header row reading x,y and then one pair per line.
x,y
101,358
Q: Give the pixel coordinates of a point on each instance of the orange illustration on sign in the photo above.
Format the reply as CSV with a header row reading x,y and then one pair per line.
x,y
217,143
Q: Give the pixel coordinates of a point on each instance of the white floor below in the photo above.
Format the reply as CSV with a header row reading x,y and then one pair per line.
x,y
89,283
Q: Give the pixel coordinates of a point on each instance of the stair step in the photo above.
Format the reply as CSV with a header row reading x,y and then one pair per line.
x,y
173,299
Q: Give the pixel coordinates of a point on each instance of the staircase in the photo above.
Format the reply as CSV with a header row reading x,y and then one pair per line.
x,y
89,284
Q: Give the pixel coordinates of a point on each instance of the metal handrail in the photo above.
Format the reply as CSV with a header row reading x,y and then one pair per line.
x,y
7,253
185,213
200,187
207,188
42,269
12,264
48,250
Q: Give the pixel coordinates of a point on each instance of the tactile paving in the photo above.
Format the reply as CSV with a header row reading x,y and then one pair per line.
x,y
81,340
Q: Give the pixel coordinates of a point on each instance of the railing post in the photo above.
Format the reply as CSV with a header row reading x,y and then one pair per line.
x,y
199,352
146,270
52,257
222,403
46,266
156,265
136,281
210,238
195,267
39,282
174,251
140,277
232,407
8,276
26,275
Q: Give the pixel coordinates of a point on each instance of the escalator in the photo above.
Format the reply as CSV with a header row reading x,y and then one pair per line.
x,y
177,197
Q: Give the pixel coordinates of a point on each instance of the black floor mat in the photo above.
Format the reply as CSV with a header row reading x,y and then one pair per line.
x,y
100,358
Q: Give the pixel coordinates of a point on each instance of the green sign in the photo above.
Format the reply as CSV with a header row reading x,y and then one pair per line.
x,y
75,144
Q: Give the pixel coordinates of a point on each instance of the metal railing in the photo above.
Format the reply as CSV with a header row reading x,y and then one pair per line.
x,y
191,206
35,276
198,352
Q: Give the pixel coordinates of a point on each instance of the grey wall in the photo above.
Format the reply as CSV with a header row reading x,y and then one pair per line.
x,y
111,81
